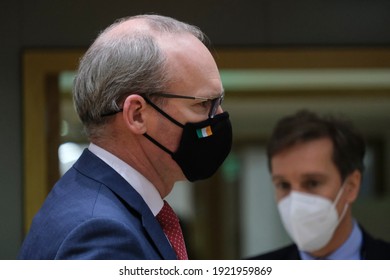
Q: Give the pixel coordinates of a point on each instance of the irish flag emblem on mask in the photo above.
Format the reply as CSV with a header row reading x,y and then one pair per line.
x,y
204,132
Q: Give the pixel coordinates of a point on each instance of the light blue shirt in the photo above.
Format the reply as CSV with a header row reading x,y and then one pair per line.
x,y
349,250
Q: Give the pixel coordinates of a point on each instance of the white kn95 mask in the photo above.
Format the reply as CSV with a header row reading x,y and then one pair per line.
x,y
309,219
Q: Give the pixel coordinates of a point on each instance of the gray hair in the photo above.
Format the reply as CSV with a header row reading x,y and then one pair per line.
x,y
119,64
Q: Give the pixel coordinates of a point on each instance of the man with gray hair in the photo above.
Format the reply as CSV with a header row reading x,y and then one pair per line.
x,y
149,94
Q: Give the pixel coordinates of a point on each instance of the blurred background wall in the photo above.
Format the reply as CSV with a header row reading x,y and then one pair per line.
x,y
242,188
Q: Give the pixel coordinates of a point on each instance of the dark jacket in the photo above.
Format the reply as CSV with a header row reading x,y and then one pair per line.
x,y
372,249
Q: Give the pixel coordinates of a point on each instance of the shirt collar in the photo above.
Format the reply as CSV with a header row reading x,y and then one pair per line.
x,y
349,250
142,185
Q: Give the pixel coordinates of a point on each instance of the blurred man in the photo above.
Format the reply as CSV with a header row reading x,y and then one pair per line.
x,y
148,92
316,165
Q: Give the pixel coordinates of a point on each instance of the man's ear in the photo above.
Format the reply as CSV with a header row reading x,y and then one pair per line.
x,y
353,182
134,113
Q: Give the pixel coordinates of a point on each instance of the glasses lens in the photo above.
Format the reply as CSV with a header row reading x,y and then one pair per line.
x,y
214,106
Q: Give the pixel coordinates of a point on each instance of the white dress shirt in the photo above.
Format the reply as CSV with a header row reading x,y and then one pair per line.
x,y
142,185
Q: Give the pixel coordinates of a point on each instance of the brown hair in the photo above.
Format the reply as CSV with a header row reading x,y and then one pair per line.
x,y
304,126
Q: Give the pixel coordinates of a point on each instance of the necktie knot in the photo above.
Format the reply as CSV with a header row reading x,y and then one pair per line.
x,y
171,227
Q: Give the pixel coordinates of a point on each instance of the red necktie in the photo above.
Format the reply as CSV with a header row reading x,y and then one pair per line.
x,y
171,227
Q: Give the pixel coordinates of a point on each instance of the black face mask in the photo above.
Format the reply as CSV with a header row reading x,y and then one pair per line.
x,y
203,146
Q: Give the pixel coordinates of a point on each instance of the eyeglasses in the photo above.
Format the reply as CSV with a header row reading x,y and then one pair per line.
x,y
214,102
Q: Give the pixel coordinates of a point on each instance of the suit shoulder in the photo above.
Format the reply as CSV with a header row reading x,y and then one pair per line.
x,y
289,252
375,249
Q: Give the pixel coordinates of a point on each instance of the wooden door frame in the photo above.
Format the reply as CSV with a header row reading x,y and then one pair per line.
x,y
37,67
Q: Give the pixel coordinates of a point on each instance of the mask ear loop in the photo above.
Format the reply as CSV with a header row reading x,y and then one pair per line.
x,y
162,112
168,117
337,200
157,144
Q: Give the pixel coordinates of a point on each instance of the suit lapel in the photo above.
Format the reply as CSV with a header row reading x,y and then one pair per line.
x,y
94,167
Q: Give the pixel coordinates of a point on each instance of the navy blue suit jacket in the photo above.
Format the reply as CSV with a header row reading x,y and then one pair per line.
x,y
372,249
93,213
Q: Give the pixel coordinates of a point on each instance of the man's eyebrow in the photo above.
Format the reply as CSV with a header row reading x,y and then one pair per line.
x,y
316,175
277,177
305,175
217,95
